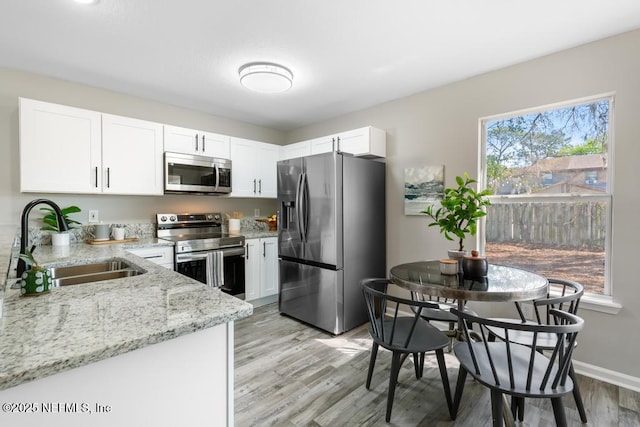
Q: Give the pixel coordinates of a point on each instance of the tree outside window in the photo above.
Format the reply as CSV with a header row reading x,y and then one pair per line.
x,y
548,170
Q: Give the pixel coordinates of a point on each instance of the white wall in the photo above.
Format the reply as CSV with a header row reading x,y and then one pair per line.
x,y
440,126
14,84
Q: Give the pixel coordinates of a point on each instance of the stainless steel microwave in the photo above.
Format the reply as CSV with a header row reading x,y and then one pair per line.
x,y
187,173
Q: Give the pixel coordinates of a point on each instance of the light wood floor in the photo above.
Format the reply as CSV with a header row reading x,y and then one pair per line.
x,y
290,374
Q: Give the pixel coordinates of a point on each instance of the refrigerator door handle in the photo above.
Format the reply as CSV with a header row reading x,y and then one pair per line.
x,y
305,205
298,206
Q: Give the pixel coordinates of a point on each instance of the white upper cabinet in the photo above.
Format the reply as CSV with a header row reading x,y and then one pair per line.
x,y
254,168
70,150
292,151
60,148
364,142
190,141
132,152
367,142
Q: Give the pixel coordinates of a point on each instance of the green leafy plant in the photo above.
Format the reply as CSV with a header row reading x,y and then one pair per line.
x,y
51,220
460,209
28,258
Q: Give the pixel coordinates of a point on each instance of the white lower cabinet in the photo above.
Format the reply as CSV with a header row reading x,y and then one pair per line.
x,y
261,270
161,255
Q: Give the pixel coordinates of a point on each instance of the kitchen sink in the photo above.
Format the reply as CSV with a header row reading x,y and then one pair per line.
x,y
94,272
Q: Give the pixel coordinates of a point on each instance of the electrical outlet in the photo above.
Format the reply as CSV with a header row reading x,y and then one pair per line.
x,y
93,216
256,212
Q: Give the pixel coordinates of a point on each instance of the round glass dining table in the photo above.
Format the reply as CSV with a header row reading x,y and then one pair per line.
x,y
502,283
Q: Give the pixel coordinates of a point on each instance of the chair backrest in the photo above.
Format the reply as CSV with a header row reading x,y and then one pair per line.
x,y
418,296
541,372
563,295
389,326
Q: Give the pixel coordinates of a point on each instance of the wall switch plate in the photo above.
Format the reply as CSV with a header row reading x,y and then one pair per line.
x,y
256,212
93,216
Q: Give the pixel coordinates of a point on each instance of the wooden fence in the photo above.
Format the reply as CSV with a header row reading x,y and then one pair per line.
x,y
579,224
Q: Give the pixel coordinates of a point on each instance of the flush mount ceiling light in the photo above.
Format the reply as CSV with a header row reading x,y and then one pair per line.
x,y
265,77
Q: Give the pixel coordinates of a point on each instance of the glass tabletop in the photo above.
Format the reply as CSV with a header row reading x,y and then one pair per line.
x,y
502,283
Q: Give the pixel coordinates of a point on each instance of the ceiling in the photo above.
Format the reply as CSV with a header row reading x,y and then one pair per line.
x,y
345,55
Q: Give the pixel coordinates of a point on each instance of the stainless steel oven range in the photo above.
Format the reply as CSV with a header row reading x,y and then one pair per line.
x,y
203,252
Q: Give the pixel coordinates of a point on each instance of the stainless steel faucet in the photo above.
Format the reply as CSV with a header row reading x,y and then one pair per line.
x,y
24,231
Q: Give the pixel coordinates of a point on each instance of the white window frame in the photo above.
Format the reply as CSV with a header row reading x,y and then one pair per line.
x,y
604,303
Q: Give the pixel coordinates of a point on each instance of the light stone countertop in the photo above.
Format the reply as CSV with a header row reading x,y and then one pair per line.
x,y
75,325
258,234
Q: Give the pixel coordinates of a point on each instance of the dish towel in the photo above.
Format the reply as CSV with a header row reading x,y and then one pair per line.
x,y
215,269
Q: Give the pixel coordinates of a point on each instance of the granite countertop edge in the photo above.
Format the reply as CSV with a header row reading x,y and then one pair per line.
x,y
77,325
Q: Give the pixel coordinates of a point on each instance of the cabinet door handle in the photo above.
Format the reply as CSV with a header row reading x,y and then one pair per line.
x,y
196,142
264,249
338,145
203,149
108,177
254,186
96,177
246,251
333,144
260,186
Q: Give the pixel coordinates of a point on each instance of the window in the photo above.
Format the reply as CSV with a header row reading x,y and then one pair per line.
x,y
548,169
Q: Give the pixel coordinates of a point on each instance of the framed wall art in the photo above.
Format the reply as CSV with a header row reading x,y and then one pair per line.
x,y
423,186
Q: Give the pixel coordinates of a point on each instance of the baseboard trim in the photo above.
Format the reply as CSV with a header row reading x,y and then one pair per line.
x,y
607,375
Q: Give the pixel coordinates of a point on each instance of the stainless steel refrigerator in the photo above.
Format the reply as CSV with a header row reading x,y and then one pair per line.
x,y
331,235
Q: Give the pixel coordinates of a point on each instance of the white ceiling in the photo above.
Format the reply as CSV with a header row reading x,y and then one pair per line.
x,y
346,55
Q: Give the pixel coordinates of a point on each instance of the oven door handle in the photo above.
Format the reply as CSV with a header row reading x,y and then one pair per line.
x,y
186,258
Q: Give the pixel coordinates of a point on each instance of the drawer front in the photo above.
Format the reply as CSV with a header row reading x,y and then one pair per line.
x,y
159,255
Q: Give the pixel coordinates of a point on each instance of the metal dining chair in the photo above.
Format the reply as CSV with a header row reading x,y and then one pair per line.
x,y
402,333
515,369
563,295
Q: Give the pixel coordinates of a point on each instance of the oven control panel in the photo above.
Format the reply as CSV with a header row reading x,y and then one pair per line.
x,y
169,219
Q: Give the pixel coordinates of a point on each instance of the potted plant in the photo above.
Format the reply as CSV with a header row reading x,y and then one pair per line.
x,y
51,224
36,280
460,208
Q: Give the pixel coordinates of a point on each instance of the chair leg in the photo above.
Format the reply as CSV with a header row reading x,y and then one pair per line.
x,y
496,408
462,376
517,407
418,360
558,412
393,380
577,396
416,365
372,364
445,381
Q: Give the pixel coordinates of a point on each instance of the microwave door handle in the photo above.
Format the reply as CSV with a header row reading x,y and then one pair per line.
x,y
216,172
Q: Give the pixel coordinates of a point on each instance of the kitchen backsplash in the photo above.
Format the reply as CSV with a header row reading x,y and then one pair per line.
x,y
77,235
145,230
